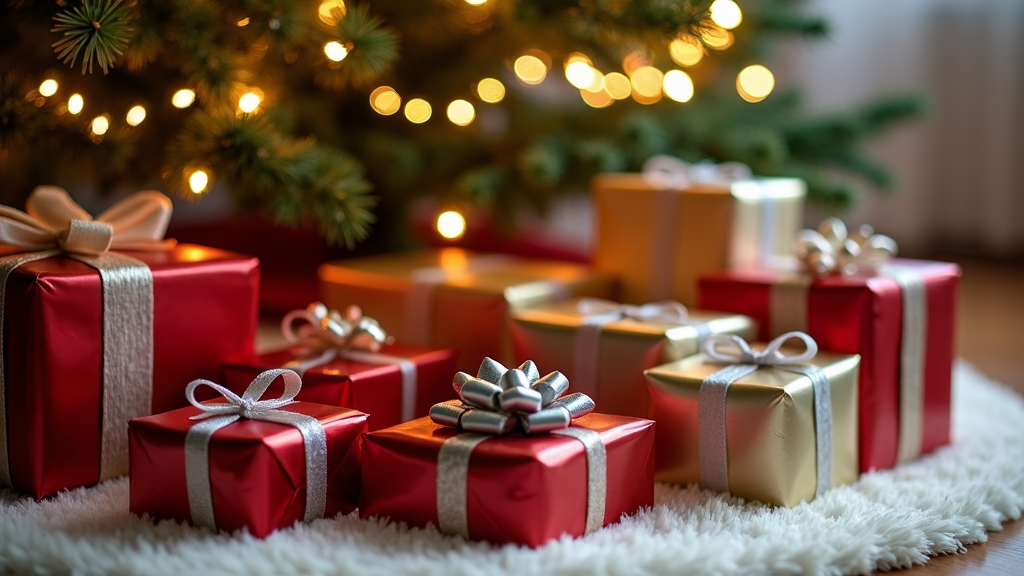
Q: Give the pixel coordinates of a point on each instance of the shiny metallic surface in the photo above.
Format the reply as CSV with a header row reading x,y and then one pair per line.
x,y
477,392
513,378
447,413
488,422
546,420
576,404
520,399
551,386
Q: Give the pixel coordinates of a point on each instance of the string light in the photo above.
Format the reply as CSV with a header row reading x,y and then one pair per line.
x,y
100,125
599,99
243,22
617,85
726,13
476,2
76,103
677,85
385,101
754,83
530,69
335,51
326,11
685,51
580,74
48,87
717,38
249,102
417,110
461,113
135,116
451,225
183,98
646,81
490,90
198,181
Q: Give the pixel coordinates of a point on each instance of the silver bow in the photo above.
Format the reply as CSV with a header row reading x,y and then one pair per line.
x,y
667,311
664,171
832,250
770,356
499,400
322,329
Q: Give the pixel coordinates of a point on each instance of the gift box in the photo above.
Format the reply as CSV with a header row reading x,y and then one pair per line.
x,y
452,298
604,347
95,338
505,477
900,320
658,235
280,463
764,432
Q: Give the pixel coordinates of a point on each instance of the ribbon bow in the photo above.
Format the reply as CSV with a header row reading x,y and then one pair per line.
x,y
53,220
831,250
667,311
770,356
665,171
324,329
499,400
248,405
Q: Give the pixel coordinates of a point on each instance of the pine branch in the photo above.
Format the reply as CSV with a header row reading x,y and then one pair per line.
x,y
98,31
372,50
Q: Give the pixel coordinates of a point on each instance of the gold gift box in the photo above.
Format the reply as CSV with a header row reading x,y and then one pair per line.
x,y
770,433
466,301
705,228
546,334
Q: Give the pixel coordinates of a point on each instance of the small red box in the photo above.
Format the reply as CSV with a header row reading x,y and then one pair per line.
x,y
520,489
864,315
257,468
375,389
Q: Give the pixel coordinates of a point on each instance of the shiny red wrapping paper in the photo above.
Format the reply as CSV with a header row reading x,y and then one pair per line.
x,y
375,389
205,311
257,468
521,489
861,315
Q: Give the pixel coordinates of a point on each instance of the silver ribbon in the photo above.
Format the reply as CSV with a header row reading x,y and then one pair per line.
x,y
597,313
215,416
712,444
831,249
912,357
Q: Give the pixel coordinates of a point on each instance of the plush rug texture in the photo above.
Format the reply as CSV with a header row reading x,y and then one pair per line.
x,y
889,519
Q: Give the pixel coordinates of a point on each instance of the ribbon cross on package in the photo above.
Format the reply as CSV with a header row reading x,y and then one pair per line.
x,y
511,461
102,321
248,462
765,424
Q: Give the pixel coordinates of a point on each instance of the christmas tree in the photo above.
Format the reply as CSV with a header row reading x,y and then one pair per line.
x,y
337,114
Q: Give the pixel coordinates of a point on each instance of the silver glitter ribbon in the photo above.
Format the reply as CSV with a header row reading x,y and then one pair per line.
x,y
712,444
54,225
598,313
215,416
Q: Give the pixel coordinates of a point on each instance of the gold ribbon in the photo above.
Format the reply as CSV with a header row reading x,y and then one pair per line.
x,y
53,224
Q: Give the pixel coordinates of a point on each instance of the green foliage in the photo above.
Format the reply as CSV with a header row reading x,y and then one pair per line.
x,y
97,30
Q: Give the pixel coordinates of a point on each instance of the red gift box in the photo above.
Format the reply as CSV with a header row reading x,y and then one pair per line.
x,y
257,471
373,388
860,315
204,312
519,489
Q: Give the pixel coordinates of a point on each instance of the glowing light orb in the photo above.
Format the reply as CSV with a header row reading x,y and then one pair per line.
x,y
677,85
335,51
76,103
685,51
726,13
198,181
530,69
490,90
461,112
617,86
754,83
646,81
326,11
100,125
385,101
48,87
451,225
183,98
417,110
580,74
135,116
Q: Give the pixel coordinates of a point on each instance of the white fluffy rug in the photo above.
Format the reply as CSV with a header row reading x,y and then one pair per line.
x,y
887,520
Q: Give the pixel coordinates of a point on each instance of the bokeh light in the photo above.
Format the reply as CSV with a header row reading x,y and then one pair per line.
x,y
136,115
490,90
646,81
326,11
100,125
335,51
580,74
198,181
461,112
183,98
48,87
76,103
754,83
726,13
385,101
599,99
617,85
417,110
530,69
451,225
249,102
677,85
686,51
717,38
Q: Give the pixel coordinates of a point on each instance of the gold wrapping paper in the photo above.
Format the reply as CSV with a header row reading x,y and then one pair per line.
x,y
770,432
713,227
546,334
469,307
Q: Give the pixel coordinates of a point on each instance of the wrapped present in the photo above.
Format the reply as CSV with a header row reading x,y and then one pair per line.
x,y
510,462
763,424
605,347
349,360
104,321
452,298
246,463
661,230
854,299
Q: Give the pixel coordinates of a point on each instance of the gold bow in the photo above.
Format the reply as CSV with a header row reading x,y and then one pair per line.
x,y
52,220
322,329
831,250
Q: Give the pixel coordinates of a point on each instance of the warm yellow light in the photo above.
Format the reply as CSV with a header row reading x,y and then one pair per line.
x,y
476,2
580,74
417,110
490,90
183,98
198,181
596,99
451,225
461,112
617,85
755,83
634,60
646,81
48,87
385,101
136,115
598,83
335,51
76,103
726,14
717,38
530,69
243,22
326,11
100,125
677,85
686,51
249,102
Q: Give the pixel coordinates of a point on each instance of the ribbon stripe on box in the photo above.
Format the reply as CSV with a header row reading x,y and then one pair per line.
x,y
54,225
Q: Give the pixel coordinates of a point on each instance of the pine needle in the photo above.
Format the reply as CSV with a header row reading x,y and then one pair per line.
x,y
98,31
